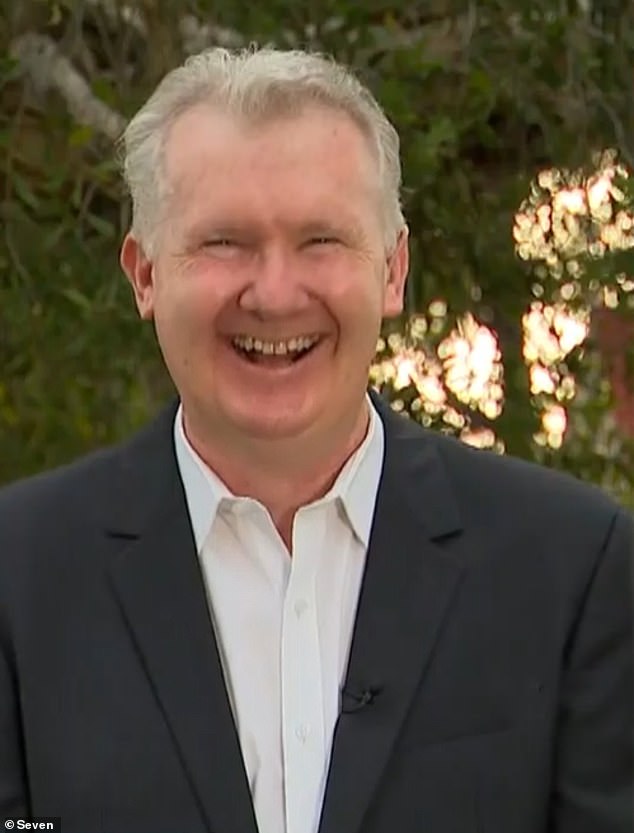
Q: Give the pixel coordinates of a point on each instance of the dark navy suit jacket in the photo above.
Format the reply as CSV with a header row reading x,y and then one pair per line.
x,y
494,628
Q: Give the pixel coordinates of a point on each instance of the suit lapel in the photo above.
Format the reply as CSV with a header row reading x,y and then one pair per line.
x,y
407,590
157,581
408,586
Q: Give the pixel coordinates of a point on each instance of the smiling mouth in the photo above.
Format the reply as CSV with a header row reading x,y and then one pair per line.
x,y
272,359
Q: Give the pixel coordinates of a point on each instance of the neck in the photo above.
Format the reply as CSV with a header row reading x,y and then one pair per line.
x,y
280,474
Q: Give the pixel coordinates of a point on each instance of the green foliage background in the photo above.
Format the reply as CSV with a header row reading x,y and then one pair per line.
x,y
484,97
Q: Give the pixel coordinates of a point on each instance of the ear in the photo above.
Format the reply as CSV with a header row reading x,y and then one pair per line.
x,y
139,270
397,269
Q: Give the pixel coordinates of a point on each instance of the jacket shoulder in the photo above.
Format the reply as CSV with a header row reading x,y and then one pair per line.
x,y
68,493
509,493
503,472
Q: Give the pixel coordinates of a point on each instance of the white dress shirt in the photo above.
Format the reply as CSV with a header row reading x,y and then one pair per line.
x,y
284,626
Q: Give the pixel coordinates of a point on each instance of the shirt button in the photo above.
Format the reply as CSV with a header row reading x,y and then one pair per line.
x,y
300,607
302,732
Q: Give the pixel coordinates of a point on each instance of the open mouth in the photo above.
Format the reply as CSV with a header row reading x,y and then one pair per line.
x,y
275,359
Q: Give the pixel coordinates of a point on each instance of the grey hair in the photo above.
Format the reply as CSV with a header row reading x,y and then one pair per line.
x,y
254,84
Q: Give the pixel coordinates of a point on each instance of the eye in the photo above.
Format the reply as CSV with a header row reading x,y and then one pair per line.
x,y
222,247
324,240
220,243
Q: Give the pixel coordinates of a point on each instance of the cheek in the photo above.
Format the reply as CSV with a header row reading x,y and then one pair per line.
x,y
183,323
188,300
358,311
358,300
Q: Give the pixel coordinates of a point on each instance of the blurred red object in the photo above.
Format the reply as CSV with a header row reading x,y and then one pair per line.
x,y
614,336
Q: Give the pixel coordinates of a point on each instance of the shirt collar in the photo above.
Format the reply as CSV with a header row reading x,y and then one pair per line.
x,y
355,488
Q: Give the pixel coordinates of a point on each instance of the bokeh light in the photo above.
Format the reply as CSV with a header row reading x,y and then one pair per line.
x,y
452,375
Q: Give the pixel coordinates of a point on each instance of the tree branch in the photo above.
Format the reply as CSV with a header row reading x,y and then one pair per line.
x,y
40,59
197,36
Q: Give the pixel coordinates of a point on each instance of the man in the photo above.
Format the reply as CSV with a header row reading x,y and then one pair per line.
x,y
283,607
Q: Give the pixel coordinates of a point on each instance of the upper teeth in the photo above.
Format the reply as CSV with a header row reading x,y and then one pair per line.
x,y
280,348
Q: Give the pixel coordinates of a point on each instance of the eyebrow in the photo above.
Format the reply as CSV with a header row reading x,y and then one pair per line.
x,y
223,228
204,230
320,226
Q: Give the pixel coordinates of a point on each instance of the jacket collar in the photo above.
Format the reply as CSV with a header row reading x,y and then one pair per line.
x,y
148,473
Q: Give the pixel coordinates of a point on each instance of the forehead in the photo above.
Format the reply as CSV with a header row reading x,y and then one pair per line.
x,y
318,157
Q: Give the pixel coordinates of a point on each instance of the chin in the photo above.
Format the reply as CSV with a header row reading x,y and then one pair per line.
x,y
274,425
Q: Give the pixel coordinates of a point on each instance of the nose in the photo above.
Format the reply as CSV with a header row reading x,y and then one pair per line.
x,y
277,287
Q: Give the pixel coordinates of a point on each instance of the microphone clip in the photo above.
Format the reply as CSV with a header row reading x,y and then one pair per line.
x,y
353,698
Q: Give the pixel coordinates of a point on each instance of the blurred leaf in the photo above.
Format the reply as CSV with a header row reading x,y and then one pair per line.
x,y
80,135
23,190
76,298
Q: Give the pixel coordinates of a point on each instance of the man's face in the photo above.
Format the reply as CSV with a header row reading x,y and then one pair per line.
x,y
273,233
